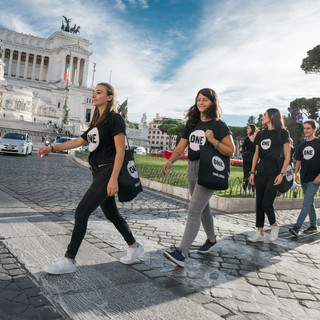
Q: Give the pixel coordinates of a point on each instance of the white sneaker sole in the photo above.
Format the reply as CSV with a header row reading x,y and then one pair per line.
x,y
172,259
258,240
57,273
208,251
132,261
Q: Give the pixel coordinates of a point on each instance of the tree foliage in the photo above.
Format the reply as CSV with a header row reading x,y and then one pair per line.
x,y
311,64
251,120
172,127
298,109
238,132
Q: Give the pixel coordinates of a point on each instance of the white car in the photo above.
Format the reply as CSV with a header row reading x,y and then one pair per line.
x,y
65,139
16,142
140,150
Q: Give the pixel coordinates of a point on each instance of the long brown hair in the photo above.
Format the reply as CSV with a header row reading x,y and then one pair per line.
x,y
213,112
111,106
276,118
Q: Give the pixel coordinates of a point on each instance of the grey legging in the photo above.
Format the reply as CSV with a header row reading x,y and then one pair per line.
x,y
199,209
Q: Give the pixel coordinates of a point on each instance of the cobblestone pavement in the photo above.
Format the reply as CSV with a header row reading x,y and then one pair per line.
x,y
237,280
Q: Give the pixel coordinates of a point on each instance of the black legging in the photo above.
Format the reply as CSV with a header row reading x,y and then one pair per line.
x,y
265,195
247,164
96,196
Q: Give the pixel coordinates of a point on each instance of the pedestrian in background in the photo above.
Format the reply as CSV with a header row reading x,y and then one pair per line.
x,y
106,137
272,145
308,165
203,123
248,149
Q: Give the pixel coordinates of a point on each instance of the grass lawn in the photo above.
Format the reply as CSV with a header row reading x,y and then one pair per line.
x,y
179,166
150,167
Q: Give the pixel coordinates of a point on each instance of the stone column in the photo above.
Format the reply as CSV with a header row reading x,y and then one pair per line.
x,y
26,66
77,73
41,68
71,70
34,66
18,65
64,67
85,72
10,63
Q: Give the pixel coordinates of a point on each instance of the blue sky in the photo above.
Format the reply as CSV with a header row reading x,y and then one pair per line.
x,y
159,53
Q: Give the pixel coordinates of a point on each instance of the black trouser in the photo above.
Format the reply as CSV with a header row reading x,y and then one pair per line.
x,y
247,164
96,196
265,191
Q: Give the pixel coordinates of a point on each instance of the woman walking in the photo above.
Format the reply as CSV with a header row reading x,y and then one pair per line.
x,y
203,124
106,138
248,149
272,146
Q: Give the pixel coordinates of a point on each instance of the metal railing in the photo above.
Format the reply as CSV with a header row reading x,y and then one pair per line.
x,y
235,189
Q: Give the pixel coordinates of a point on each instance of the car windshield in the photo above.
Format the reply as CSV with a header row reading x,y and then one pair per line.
x,y
15,136
61,140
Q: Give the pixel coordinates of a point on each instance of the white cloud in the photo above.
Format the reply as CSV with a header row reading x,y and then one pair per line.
x,y
249,52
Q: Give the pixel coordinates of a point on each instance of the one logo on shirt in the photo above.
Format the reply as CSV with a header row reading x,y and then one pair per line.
x,y
265,144
217,163
131,167
197,138
308,153
93,139
289,173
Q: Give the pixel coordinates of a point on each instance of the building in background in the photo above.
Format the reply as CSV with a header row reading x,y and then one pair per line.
x,y
157,139
139,137
35,72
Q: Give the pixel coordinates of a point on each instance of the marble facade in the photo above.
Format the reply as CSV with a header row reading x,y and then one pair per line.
x,y
34,87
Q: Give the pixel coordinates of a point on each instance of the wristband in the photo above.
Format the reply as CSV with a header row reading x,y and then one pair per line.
x,y
252,172
281,173
216,147
177,153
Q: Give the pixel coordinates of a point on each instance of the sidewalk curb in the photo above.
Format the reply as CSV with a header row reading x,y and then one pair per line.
x,y
223,204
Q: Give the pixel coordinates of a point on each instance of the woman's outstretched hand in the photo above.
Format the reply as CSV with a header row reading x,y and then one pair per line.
x,y
44,150
166,167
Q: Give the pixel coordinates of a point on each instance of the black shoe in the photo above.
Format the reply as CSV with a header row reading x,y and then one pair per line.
x,y
175,256
294,230
207,246
311,229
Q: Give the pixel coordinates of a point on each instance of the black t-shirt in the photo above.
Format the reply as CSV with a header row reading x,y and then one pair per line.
x,y
196,135
309,154
248,145
271,143
101,139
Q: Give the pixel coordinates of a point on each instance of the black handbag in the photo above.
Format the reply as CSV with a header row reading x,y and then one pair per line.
x,y
214,168
128,180
287,180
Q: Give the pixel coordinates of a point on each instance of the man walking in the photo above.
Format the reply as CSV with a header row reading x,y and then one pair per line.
x,y
308,164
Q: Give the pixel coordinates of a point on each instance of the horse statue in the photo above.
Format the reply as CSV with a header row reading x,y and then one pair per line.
x,y
67,21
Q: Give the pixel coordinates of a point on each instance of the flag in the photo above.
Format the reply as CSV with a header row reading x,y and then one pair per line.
x,y
67,74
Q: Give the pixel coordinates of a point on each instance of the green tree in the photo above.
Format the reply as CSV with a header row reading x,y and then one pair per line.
x,y
294,121
251,120
311,64
259,120
238,132
172,127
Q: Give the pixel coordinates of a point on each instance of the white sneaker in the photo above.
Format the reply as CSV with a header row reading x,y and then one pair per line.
x,y
132,254
63,266
274,233
256,237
